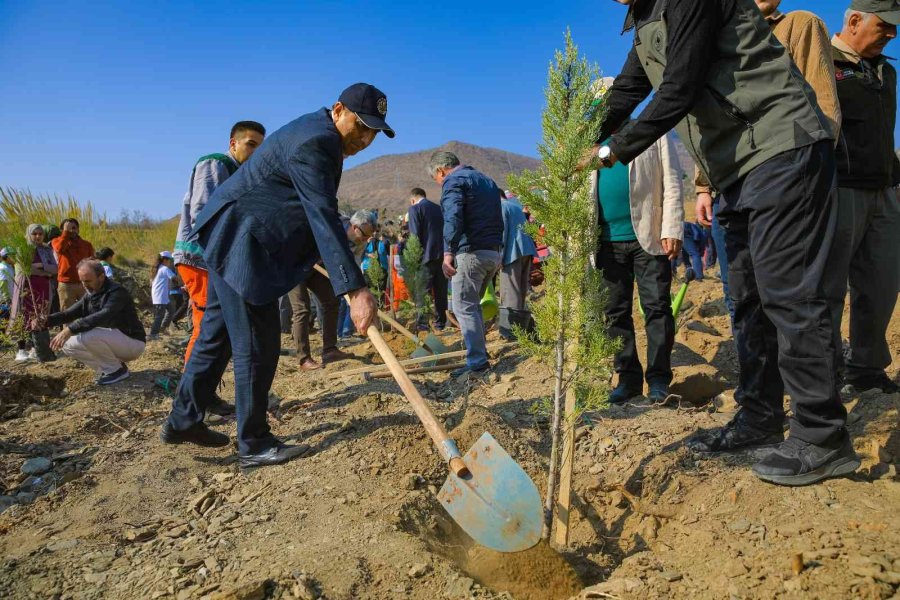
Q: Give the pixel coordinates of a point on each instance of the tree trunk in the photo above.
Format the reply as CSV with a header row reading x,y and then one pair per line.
x,y
550,498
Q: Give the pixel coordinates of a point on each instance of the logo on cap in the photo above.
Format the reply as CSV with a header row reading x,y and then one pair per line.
x,y
382,106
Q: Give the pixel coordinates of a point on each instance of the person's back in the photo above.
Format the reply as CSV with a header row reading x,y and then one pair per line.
x,y
473,236
473,217
426,221
516,243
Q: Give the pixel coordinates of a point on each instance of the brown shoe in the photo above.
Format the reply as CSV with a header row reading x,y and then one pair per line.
x,y
308,364
335,355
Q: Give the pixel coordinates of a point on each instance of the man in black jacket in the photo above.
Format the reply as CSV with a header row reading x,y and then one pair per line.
x,y
866,244
103,330
754,128
426,222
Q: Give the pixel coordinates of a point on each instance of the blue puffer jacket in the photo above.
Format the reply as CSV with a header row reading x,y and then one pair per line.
x,y
473,220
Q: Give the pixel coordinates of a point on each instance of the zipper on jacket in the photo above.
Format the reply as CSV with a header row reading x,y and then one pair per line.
x,y
735,113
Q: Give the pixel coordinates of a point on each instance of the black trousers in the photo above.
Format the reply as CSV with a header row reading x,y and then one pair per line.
x,y
779,223
437,283
621,264
250,335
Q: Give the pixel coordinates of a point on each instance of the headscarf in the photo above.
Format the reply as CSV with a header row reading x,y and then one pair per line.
x,y
43,252
31,229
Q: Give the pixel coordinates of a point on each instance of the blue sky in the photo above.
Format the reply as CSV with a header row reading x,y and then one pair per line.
x,y
113,101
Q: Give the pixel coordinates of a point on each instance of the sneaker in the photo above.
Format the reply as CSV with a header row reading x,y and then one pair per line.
x,y
858,385
738,434
32,354
114,377
623,393
476,371
795,462
22,356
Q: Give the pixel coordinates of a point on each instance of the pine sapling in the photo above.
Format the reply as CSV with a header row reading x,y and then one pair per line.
x,y
570,335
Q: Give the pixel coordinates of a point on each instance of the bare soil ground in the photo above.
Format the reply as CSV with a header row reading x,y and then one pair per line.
x,y
119,515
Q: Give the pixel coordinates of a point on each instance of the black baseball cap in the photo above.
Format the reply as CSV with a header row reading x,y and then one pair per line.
x,y
370,105
887,10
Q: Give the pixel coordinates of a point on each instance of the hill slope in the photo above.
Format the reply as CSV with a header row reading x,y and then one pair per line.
x,y
385,181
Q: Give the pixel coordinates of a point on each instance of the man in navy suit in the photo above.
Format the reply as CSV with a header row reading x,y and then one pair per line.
x,y
426,222
261,232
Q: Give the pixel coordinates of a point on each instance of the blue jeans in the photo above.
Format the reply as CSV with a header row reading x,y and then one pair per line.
x,y
718,237
250,334
474,271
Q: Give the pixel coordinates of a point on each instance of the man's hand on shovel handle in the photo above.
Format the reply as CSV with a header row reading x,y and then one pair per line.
x,y
363,309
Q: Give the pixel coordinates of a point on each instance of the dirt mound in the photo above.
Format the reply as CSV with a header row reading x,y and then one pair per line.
x,y
19,391
118,515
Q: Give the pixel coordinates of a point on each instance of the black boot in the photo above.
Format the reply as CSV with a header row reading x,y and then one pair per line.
x,y
41,341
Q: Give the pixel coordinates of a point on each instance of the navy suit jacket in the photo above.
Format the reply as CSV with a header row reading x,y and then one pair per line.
x,y
426,222
265,226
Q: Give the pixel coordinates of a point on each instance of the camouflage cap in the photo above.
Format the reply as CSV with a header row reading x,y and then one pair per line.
x,y
887,10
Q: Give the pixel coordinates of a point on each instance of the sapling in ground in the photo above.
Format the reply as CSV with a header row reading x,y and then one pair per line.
x,y
571,335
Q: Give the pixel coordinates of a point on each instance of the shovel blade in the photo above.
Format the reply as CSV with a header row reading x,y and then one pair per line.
x,y
421,352
435,344
497,504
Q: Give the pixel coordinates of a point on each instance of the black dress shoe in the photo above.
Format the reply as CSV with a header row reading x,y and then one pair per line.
x,y
623,393
738,434
198,434
280,453
220,407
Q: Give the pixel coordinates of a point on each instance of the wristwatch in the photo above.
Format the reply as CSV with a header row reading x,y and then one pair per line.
x,y
605,155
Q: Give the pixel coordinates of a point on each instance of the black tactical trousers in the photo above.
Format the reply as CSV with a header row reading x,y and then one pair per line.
x,y
779,223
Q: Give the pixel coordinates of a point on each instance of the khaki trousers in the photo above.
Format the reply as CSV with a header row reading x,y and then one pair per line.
x,y
69,294
103,349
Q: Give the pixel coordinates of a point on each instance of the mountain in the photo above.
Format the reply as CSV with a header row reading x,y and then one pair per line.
x,y
385,181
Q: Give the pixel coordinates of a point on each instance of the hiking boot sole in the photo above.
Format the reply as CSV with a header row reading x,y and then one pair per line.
x,y
844,465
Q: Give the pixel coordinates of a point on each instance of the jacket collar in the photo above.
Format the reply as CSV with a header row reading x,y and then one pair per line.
x,y
775,17
843,52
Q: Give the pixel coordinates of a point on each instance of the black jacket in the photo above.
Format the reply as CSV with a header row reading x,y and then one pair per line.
x,y
111,307
867,90
426,222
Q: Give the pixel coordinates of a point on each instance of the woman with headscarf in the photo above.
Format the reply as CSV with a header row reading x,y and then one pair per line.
x,y
31,305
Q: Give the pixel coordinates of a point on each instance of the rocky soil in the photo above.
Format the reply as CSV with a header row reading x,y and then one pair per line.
x,y
95,507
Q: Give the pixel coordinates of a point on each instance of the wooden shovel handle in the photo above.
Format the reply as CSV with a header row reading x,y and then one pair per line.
x,y
435,429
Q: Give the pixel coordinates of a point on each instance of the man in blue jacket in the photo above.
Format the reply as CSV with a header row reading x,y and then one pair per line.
x,y
261,232
473,236
518,253
426,222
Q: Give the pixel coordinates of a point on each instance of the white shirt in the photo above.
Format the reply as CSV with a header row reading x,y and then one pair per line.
x,y
160,293
8,278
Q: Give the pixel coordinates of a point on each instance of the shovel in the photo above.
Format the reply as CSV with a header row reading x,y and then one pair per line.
x,y
486,492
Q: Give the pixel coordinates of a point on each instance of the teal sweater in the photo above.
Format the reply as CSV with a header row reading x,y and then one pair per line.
x,y
613,190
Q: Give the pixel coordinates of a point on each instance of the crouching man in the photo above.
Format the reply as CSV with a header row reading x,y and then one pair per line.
x,y
102,328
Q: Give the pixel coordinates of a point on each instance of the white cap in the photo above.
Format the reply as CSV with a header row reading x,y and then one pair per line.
x,y
165,254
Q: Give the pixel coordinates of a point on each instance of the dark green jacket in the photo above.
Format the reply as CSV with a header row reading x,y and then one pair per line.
x,y
722,80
